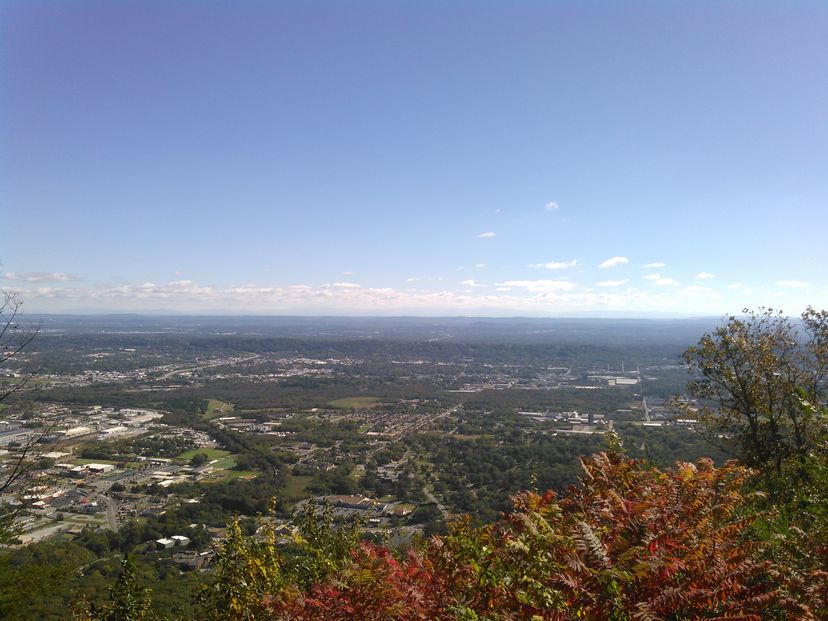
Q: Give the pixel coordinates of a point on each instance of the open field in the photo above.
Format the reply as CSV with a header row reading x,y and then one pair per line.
x,y
210,452
216,408
225,463
239,474
352,403
218,476
295,485
84,460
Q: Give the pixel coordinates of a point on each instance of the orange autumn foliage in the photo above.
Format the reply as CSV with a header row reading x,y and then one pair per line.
x,y
632,542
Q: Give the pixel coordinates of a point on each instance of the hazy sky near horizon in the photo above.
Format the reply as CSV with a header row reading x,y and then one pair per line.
x,y
498,158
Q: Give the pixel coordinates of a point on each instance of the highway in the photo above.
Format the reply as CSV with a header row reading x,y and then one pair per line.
x,y
220,363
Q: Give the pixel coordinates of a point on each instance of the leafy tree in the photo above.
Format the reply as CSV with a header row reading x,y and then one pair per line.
x,y
246,572
127,601
321,546
199,459
794,523
44,463
252,576
756,375
763,388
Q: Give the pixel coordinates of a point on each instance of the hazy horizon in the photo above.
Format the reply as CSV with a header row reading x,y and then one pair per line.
x,y
150,313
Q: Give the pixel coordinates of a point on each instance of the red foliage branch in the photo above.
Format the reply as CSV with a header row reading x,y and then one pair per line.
x,y
632,542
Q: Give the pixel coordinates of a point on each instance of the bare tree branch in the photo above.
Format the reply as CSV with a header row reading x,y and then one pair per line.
x,y
16,476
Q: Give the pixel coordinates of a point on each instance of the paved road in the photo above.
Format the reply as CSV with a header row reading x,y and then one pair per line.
x,y
111,512
432,498
220,363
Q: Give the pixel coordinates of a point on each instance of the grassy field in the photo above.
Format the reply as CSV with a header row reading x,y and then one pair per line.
x,y
82,460
351,403
130,465
217,476
216,408
225,463
240,474
210,452
295,485
222,468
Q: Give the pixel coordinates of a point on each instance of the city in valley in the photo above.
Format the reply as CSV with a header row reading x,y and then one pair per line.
x,y
153,433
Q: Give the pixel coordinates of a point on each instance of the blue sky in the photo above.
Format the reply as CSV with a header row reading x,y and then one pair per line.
x,y
414,157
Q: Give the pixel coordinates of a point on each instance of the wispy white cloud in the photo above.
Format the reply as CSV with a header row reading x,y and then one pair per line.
x,y
655,265
700,293
487,234
551,206
614,261
426,279
347,273
510,297
666,282
736,285
540,286
705,276
480,265
652,277
555,265
794,284
35,277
